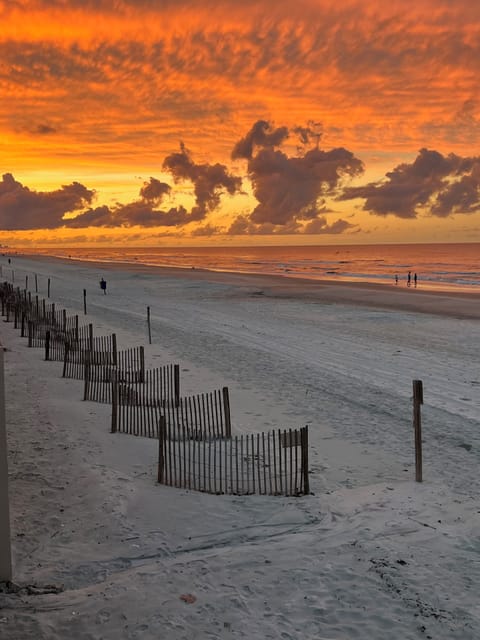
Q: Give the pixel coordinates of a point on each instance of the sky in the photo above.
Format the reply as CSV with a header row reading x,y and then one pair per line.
x,y
174,122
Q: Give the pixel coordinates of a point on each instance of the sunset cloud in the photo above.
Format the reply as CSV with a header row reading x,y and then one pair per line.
x,y
445,184
291,188
97,92
22,208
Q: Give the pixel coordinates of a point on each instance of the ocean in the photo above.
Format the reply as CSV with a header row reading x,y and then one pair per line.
x,y
438,266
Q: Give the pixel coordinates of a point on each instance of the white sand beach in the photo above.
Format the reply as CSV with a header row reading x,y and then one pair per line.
x,y
369,555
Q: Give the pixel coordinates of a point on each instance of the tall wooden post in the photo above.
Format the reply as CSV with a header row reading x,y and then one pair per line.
x,y
161,448
47,345
114,349
26,283
176,383
90,338
226,413
142,365
149,327
114,424
36,284
85,301
5,545
417,425
48,288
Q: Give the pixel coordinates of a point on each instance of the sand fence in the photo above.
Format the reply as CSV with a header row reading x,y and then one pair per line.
x,y
196,449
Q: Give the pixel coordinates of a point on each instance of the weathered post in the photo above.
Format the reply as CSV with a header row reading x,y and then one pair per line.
x,y
417,425
5,545
149,327
114,349
114,401
30,333
226,413
161,448
48,288
47,345
176,383
26,283
36,284
85,302
142,365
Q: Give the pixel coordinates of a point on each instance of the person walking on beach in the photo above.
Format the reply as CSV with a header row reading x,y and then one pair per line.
x,y
415,280
396,279
409,278
103,286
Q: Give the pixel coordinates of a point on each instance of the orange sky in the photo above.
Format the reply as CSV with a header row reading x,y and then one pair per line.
x,y
356,121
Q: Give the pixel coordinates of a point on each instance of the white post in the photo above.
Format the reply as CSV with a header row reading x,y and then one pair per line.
x,y
5,549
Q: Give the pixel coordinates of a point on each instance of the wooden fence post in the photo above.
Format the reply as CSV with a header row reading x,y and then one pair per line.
x,y
176,383
161,448
30,333
90,338
48,288
65,358
226,413
114,425
304,442
22,330
142,365
47,345
26,283
85,302
5,545
149,327
86,375
417,425
114,349
36,284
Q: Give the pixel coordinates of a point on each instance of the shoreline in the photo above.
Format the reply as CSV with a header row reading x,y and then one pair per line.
x,y
454,304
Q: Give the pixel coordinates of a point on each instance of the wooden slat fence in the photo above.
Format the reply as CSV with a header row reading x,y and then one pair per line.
x,y
137,410
89,349
273,463
135,383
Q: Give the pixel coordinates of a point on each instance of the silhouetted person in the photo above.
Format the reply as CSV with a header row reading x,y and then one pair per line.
x,y
409,278
103,286
396,279
415,279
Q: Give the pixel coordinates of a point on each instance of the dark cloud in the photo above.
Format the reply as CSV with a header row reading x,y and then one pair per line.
x,y
291,189
44,129
154,190
320,225
210,181
140,212
260,135
441,184
21,208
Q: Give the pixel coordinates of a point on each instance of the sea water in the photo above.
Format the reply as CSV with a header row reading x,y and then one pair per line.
x,y
438,266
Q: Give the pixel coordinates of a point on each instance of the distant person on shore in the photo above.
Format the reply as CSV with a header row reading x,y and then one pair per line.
x,y
409,279
415,279
103,286
396,279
